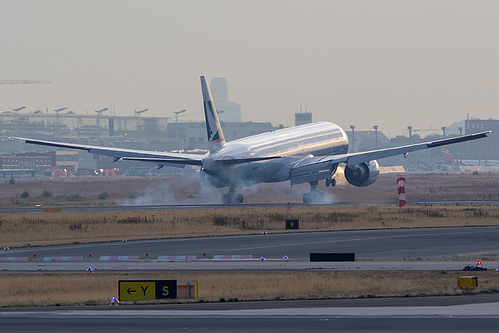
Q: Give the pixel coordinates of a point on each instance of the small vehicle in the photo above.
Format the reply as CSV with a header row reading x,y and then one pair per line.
x,y
473,268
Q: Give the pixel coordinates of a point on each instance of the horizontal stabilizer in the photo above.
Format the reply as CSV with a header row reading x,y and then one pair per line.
x,y
247,160
160,160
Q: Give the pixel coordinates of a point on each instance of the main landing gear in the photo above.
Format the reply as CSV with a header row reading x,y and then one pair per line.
x,y
232,198
330,182
317,197
313,196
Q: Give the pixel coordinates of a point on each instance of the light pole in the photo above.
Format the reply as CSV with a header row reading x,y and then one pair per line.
x,y
376,136
443,130
353,137
177,113
410,133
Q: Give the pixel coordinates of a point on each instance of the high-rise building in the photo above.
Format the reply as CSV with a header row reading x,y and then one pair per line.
x,y
302,118
227,111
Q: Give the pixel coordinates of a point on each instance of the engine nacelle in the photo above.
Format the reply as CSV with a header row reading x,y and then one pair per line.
x,y
206,179
362,174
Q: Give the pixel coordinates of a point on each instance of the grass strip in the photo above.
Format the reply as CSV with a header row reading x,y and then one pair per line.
x,y
67,289
66,228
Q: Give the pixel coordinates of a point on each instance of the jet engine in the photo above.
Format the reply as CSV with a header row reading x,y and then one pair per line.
x,y
362,174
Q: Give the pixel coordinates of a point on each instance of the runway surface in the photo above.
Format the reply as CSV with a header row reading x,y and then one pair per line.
x,y
429,314
81,209
412,249
250,266
388,244
449,314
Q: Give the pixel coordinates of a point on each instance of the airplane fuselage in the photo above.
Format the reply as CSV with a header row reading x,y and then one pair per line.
x,y
293,144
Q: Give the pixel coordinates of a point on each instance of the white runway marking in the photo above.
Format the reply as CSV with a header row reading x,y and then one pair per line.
x,y
466,310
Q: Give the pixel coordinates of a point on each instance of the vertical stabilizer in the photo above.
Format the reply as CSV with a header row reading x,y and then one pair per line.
x,y
216,138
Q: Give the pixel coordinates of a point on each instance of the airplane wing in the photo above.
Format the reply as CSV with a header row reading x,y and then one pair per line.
x,y
161,158
319,167
366,156
178,160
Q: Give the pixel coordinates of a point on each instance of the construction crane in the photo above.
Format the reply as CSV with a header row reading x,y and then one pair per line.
x,y
25,82
139,112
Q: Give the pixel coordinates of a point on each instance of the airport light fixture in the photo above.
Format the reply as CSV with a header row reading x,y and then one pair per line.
x,y
353,136
138,113
376,136
177,113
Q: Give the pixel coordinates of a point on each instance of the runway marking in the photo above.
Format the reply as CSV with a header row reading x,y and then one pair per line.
x,y
339,241
463,231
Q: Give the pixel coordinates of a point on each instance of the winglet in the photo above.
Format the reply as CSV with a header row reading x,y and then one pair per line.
x,y
216,138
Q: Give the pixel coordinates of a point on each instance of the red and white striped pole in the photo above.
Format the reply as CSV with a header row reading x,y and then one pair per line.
x,y
401,185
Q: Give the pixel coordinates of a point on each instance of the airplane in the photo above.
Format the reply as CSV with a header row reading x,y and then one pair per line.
x,y
302,154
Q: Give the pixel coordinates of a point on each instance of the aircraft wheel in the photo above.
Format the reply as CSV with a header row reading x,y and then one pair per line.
x,y
330,182
226,199
308,197
313,197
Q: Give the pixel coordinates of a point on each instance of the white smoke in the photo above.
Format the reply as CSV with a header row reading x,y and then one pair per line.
x,y
175,190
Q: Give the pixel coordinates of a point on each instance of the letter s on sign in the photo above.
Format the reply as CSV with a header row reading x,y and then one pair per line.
x,y
166,292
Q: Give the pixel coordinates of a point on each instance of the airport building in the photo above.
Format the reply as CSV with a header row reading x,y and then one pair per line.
x,y
61,162
482,149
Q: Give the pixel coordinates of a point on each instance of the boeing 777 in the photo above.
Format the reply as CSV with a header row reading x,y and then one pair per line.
x,y
302,154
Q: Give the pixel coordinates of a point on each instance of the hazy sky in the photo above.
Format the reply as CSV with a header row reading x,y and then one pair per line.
x,y
387,63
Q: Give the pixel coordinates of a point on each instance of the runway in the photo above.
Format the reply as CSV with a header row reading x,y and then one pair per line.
x,y
413,249
83,209
428,314
239,266
386,244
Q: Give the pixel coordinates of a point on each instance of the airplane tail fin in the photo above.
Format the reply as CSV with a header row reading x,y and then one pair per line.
x,y
216,138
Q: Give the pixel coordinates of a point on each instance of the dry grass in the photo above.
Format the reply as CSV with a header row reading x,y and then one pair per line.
x,y
97,288
57,228
71,227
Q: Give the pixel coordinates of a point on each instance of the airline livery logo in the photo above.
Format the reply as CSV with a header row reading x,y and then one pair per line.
x,y
211,123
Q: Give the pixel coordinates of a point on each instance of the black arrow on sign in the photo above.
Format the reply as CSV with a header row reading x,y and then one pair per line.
x,y
130,291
